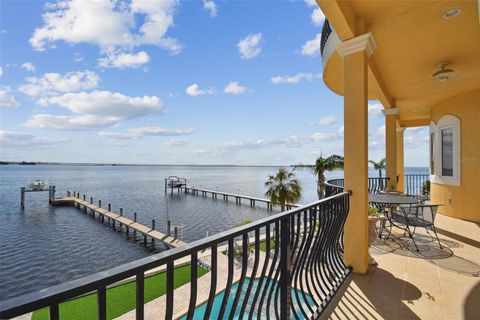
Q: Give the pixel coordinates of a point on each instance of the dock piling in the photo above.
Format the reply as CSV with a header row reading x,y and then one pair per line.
x,y
153,228
134,220
22,198
121,212
99,203
169,226
109,207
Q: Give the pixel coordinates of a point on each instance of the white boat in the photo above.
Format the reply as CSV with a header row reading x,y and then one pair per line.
x,y
38,185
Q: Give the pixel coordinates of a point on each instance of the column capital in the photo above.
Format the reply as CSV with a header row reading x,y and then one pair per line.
x,y
365,42
391,112
400,129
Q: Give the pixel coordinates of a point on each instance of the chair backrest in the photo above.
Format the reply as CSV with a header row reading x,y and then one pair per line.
x,y
420,198
425,212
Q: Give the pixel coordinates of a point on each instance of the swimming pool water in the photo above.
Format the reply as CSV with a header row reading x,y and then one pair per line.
x,y
217,303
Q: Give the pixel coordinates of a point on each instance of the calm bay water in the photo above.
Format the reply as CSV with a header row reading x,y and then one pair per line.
x,y
43,246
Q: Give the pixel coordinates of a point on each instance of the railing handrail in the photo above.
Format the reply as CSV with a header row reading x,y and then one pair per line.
x,y
413,183
68,290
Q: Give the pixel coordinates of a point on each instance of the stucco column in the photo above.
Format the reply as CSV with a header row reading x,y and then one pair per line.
x,y
355,53
400,163
391,147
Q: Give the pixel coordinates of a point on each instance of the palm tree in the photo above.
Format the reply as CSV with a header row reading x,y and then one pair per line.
x,y
380,165
321,166
283,188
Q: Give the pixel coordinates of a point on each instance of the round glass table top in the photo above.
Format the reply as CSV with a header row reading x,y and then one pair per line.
x,y
392,199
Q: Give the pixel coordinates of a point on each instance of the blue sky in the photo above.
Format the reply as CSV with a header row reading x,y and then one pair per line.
x,y
197,82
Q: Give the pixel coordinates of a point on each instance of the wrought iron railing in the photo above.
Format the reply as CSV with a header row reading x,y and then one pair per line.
x,y
417,184
375,185
297,272
333,187
326,31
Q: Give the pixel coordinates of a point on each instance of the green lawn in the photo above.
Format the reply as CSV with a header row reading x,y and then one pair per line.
x,y
263,245
120,299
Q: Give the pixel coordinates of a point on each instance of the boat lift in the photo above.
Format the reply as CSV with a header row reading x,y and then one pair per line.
x,y
37,186
174,182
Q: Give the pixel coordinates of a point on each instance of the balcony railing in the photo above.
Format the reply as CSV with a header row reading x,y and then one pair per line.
x,y
375,185
326,31
297,273
417,184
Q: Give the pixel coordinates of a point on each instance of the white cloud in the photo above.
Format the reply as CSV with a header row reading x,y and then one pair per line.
x,y
312,47
63,122
292,141
106,103
234,87
341,129
249,47
7,100
22,139
414,142
295,78
176,143
93,110
124,60
195,91
108,24
328,120
53,83
317,17
311,3
325,137
136,133
200,152
375,109
28,66
377,138
211,7
1,71
381,131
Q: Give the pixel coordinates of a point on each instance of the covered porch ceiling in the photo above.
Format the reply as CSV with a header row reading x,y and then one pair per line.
x,y
412,39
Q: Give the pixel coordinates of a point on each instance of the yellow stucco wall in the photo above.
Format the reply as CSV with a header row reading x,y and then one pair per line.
x,y
462,201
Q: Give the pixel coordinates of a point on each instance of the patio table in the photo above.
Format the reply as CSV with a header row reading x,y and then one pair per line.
x,y
388,201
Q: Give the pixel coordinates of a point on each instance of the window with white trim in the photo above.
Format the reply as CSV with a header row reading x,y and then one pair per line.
x,y
447,152
445,164
432,154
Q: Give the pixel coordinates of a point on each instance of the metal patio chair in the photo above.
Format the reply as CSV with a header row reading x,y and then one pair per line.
x,y
409,218
421,198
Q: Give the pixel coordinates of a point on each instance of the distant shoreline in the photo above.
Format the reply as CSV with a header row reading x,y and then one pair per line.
x,y
32,163
42,163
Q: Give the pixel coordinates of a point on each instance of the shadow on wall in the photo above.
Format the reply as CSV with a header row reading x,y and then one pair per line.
x,y
378,296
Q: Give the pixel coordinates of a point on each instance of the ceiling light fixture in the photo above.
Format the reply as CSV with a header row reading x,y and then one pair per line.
x,y
451,13
444,73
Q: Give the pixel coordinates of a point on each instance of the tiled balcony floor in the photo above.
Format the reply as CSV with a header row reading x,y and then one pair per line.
x,y
433,284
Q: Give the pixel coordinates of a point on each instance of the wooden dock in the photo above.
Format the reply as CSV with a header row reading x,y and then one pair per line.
x,y
125,224
238,197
